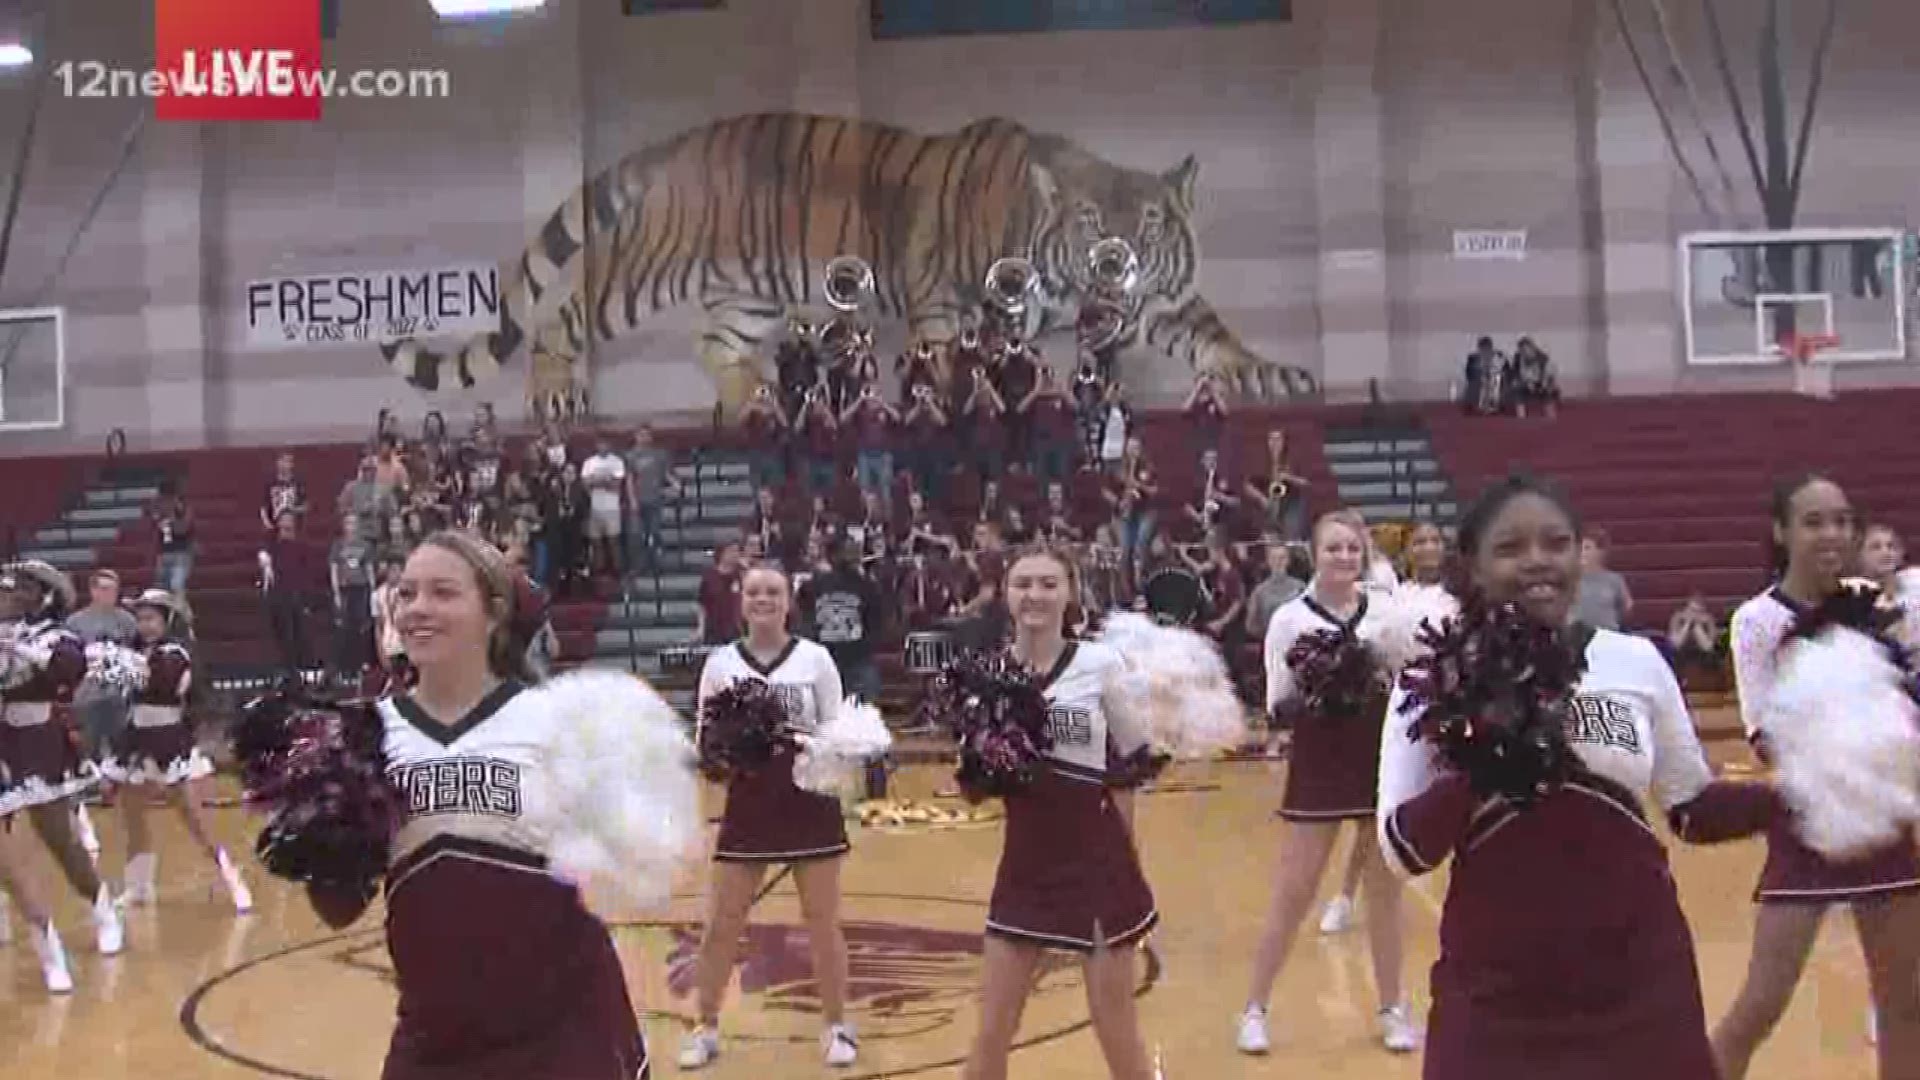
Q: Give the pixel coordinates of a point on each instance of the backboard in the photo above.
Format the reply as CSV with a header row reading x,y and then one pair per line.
x,y
33,369
1743,292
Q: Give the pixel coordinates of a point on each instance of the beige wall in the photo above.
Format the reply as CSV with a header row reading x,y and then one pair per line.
x,y
1337,155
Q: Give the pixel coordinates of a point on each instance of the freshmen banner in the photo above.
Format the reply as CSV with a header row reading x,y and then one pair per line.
x,y
368,307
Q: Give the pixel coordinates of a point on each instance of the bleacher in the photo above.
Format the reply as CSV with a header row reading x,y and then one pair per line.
x,y
1682,483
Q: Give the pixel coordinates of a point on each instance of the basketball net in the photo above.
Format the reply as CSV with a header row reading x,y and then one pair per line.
x,y
1811,377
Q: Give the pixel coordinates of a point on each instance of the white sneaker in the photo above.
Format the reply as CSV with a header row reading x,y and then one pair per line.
x,y
136,885
6,920
1873,1027
53,960
236,885
699,1048
1338,917
108,930
1253,1031
83,823
1397,1032
840,1046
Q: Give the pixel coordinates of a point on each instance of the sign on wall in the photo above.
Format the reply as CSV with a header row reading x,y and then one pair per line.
x,y
363,308
1490,244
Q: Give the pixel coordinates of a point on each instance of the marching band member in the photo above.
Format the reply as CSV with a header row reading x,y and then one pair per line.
x,y
1813,546
770,819
1332,774
503,972
41,665
1563,949
1069,876
159,752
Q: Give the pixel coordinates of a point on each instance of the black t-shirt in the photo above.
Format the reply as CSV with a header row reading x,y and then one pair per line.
x,y
283,496
843,607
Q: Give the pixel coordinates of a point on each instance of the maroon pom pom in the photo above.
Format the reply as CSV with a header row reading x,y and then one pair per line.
x,y
741,729
1337,674
320,772
997,712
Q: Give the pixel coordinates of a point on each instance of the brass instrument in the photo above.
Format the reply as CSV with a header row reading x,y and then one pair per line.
x,y
847,284
1113,271
1114,266
1010,285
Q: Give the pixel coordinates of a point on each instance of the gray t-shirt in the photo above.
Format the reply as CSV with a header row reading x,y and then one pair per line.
x,y
92,626
1268,597
1602,601
352,563
647,469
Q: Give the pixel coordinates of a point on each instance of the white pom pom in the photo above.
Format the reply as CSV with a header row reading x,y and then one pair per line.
x,y
1176,687
829,756
115,667
617,798
1409,609
1845,739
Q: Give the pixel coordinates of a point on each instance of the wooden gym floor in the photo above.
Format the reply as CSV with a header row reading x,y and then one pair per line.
x,y
202,994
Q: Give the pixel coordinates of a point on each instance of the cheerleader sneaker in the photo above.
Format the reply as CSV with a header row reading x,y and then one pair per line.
x,y
699,1048
1253,1031
136,886
83,823
841,1048
1397,1032
53,960
236,885
109,932
1338,917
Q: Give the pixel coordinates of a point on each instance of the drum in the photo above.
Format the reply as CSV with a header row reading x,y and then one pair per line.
x,y
1174,597
684,659
928,651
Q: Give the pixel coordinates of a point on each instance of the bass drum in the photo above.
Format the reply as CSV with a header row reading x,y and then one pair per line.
x,y
1175,597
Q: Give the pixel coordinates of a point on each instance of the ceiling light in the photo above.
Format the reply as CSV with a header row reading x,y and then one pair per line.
x,y
466,9
13,54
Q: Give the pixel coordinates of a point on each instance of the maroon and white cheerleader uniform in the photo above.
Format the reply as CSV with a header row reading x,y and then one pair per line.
x,y
769,818
1563,950
1069,876
41,665
1795,873
1334,764
503,973
158,747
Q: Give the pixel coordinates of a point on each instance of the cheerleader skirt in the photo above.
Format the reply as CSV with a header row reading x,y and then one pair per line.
x,y
1796,874
1563,950
503,974
160,756
1333,769
771,819
1069,877
42,763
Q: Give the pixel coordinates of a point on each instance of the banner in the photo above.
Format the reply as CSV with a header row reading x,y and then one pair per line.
x,y
1490,244
366,308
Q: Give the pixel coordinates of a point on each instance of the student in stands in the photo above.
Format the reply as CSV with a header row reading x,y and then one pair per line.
x,y
286,493
1604,601
173,527
293,577
1051,430
718,618
605,476
1206,412
1279,491
1883,558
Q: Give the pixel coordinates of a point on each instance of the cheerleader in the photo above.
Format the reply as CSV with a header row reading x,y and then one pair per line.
x,y
1813,545
1069,876
41,665
769,819
1331,779
159,752
503,973
1563,950
1423,592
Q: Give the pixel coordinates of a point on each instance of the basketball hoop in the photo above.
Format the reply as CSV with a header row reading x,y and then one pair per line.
x,y
1812,379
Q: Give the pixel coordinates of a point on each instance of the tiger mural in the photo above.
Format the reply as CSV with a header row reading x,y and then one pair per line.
x,y
742,216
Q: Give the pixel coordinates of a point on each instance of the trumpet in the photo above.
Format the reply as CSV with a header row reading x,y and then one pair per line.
x,y
1010,284
849,281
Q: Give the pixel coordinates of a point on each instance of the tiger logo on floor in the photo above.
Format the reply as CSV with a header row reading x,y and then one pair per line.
x,y
743,215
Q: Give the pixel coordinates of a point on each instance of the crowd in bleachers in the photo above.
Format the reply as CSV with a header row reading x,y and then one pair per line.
x,y
1497,384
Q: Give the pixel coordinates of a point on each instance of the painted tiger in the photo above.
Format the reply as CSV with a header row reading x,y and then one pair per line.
x,y
742,215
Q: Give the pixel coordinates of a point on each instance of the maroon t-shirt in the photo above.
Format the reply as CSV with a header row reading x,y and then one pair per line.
x,y
298,566
1053,417
872,428
720,604
1228,589
986,427
822,436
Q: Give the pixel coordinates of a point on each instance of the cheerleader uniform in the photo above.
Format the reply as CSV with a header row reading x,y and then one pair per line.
x,y
503,973
1069,876
158,747
1795,873
768,817
1335,761
42,663
1563,950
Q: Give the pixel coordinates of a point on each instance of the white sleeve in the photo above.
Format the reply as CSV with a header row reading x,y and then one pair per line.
x,y
712,681
1280,638
1754,644
1126,728
1406,768
828,691
1680,770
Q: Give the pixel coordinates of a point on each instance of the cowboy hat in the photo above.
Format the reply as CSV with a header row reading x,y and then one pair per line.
x,y
50,578
159,599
